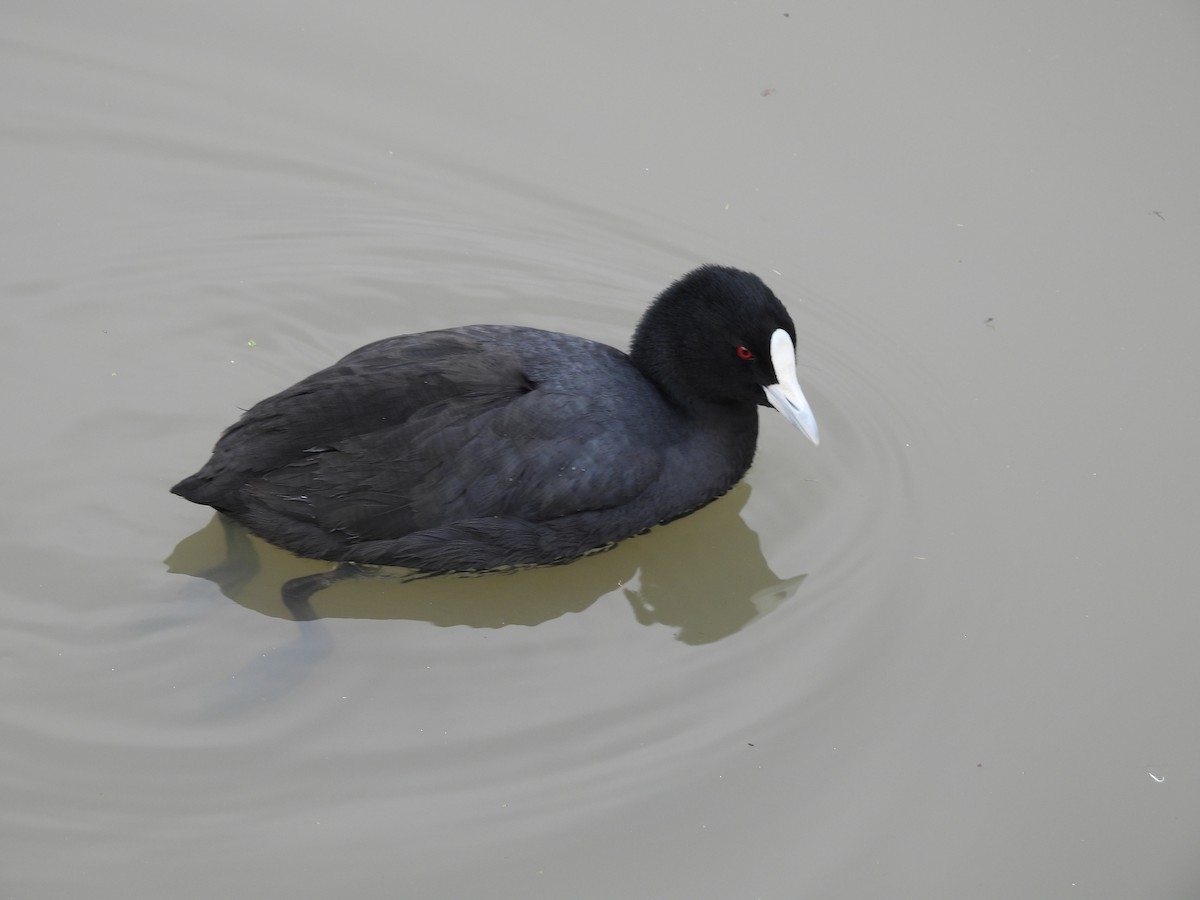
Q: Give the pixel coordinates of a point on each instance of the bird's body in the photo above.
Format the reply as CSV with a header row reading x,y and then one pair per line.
x,y
488,447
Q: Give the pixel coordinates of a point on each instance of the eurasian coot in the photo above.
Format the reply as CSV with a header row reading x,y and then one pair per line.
x,y
488,447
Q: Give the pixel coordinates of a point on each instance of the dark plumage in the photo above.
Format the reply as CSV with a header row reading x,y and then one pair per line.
x,y
491,446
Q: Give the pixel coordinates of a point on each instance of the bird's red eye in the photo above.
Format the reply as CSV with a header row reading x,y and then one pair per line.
x,y
745,352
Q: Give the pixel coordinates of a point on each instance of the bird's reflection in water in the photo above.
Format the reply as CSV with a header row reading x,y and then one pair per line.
x,y
704,576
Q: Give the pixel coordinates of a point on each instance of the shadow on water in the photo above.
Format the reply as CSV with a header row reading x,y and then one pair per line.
x,y
704,576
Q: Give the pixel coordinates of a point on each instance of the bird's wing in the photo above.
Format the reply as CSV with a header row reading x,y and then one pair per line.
x,y
487,440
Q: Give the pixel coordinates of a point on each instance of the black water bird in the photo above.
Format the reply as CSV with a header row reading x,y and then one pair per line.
x,y
491,447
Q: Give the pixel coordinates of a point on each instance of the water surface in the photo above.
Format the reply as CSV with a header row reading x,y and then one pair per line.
x,y
949,653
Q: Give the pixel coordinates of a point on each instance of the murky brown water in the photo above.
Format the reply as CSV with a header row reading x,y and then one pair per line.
x,y
949,653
